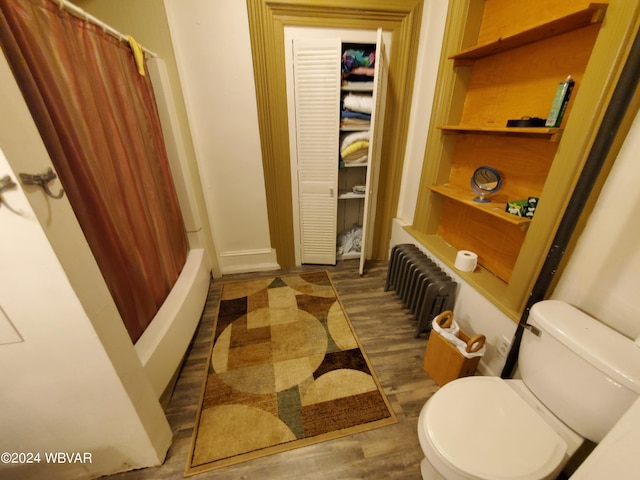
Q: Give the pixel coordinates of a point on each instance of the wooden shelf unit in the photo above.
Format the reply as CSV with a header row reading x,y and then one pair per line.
x,y
511,72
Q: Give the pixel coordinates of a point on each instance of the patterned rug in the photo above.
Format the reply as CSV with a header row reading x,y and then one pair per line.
x,y
285,370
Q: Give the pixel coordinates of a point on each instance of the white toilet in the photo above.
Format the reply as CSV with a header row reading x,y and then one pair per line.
x,y
578,379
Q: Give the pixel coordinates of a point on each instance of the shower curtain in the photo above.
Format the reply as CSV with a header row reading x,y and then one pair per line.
x,y
97,117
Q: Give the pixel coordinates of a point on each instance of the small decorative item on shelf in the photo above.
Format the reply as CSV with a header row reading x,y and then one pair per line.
x,y
560,101
522,208
531,207
485,181
526,122
359,189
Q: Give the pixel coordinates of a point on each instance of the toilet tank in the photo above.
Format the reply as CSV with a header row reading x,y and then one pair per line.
x,y
587,374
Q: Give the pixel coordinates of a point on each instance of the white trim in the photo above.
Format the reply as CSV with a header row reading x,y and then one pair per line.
x,y
244,261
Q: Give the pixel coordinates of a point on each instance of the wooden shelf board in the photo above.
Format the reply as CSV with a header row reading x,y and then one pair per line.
x,y
594,13
552,133
492,208
496,290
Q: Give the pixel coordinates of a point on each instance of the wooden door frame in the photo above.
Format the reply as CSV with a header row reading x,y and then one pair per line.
x,y
267,19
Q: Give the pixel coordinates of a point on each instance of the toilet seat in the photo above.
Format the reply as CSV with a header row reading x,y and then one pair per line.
x,y
481,428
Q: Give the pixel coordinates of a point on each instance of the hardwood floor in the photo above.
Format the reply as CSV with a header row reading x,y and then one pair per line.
x,y
385,330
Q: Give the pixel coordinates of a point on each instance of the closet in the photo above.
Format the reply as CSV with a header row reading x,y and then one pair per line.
x,y
336,113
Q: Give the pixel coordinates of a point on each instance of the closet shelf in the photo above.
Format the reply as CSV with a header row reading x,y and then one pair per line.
x,y
355,165
357,87
594,13
496,209
350,256
350,195
554,134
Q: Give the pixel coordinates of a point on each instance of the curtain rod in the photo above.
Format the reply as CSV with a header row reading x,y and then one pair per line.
x,y
80,13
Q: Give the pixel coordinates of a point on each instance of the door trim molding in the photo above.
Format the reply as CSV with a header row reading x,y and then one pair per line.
x,y
267,20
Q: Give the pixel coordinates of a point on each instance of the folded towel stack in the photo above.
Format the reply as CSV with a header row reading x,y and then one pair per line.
x,y
354,148
356,110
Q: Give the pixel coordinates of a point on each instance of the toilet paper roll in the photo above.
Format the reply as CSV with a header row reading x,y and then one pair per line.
x,y
466,261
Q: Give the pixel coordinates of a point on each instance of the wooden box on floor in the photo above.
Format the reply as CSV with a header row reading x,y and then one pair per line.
x,y
444,362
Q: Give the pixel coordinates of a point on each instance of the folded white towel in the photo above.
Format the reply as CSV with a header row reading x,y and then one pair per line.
x,y
358,103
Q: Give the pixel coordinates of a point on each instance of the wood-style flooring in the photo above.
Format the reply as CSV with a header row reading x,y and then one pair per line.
x,y
385,330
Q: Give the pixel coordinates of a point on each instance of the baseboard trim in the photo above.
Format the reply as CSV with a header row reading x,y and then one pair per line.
x,y
246,261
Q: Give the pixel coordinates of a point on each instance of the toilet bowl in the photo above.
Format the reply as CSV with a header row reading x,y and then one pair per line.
x,y
474,429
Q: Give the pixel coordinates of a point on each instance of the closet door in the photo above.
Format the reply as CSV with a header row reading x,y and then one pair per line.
x,y
317,103
375,145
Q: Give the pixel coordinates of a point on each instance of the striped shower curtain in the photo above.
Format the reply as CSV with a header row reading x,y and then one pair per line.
x,y
97,117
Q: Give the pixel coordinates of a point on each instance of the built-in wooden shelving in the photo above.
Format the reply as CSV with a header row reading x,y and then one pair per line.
x,y
594,13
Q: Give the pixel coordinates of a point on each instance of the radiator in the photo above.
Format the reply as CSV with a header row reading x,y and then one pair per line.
x,y
422,286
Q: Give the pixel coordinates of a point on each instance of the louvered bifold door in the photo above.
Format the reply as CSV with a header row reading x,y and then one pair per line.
x,y
317,104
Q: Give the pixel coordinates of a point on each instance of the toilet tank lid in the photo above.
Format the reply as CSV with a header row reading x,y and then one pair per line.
x,y
607,350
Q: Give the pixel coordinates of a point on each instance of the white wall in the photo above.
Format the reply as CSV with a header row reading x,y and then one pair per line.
x,y
429,49
213,52
63,395
603,274
616,456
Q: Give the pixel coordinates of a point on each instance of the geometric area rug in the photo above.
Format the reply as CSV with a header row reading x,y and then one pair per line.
x,y
285,370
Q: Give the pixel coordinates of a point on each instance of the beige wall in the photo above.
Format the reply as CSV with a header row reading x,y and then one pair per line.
x,y
211,41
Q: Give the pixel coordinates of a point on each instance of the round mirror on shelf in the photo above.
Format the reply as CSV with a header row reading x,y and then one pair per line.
x,y
485,181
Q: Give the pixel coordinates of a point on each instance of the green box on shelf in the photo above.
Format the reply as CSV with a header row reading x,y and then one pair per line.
x,y
517,207
531,207
522,208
